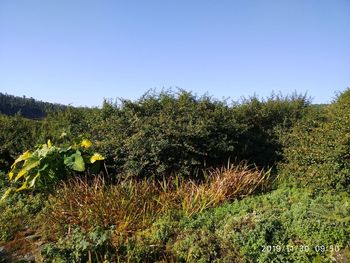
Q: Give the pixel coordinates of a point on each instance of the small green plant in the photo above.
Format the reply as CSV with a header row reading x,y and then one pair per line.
x,y
80,246
19,215
49,164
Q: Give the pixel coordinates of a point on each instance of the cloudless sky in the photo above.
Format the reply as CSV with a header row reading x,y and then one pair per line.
x,y
82,51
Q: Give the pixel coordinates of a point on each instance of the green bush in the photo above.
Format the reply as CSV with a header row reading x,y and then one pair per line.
x,y
165,134
16,134
317,150
263,122
71,122
169,133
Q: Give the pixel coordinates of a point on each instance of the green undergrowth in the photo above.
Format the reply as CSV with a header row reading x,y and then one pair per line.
x,y
286,225
243,230
19,213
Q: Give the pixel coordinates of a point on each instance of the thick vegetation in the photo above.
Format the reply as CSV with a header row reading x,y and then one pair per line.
x,y
318,149
183,179
167,134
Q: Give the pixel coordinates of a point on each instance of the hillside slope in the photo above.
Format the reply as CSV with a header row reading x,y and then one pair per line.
x,y
27,107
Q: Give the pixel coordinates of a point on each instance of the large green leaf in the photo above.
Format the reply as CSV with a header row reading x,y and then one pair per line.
x,y
23,157
32,179
27,167
75,162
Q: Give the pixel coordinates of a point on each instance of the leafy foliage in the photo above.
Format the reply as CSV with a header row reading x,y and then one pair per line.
x,y
318,149
92,246
16,135
49,164
240,231
264,121
167,133
19,213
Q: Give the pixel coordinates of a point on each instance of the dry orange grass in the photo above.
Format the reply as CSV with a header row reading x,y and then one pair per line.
x,y
128,206
133,205
224,184
237,181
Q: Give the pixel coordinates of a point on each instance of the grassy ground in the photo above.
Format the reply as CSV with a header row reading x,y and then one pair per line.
x,y
226,218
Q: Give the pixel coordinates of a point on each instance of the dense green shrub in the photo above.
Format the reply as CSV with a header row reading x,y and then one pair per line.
x,y
264,120
318,149
16,135
70,122
181,133
163,134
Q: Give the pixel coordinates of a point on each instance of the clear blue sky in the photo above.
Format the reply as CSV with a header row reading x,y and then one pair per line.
x,y
79,52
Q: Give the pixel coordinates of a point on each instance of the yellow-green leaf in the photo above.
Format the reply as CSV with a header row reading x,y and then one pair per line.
x,y
6,194
86,143
32,182
23,157
23,187
96,157
49,144
75,162
11,174
26,168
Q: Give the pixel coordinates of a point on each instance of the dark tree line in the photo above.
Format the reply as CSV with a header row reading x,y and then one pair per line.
x,y
26,107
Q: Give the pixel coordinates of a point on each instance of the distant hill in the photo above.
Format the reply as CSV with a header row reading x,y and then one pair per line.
x,y
27,107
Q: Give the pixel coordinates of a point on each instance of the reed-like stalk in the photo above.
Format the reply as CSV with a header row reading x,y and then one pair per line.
x,y
133,205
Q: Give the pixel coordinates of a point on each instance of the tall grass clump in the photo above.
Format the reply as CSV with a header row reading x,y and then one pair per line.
x,y
221,185
240,180
132,204
128,208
